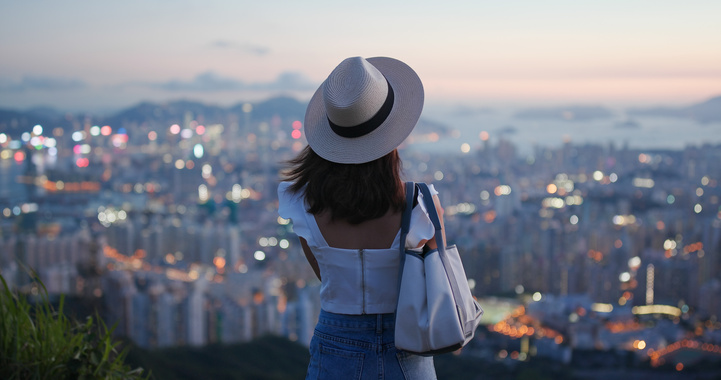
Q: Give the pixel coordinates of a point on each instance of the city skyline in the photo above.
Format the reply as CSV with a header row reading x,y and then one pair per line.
x,y
165,220
91,56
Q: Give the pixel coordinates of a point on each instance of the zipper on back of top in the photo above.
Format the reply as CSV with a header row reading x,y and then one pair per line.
x,y
363,281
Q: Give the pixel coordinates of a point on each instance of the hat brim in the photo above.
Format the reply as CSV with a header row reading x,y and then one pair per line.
x,y
407,107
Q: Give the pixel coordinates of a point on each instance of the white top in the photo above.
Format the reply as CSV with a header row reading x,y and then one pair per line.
x,y
355,281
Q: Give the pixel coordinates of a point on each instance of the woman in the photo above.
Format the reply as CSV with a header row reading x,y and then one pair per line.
x,y
345,197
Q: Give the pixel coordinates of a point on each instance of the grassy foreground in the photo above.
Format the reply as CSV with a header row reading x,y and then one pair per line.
x,y
38,341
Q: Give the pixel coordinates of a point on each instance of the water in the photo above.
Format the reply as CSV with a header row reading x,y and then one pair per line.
x,y
647,133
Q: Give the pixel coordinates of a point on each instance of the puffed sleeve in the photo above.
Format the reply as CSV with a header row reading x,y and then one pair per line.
x,y
421,228
291,206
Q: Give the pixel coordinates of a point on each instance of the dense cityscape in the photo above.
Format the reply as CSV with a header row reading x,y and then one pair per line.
x,y
164,218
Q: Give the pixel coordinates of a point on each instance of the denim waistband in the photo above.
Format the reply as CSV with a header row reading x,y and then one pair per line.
x,y
363,321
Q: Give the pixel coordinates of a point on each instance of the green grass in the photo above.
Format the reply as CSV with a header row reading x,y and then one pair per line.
x,y
39,342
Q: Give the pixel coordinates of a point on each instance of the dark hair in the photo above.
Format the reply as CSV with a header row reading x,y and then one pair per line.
x,y
353,192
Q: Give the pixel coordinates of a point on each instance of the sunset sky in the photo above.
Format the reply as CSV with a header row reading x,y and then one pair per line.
x,y
103,55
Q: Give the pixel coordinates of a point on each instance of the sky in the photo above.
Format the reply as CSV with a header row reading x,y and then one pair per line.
x,y
105,55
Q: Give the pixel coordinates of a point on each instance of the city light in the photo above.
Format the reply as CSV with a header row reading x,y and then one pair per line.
x,y
644,182
574,200
669,244
259,255
624,220
502,190
639,344
650,278
206,171
78,136
461,208
553,203
198,151
485,195
657,309
227,251
203,193
236,193
602,307
634,262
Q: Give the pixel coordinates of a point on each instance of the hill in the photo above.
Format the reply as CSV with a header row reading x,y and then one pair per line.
x,y
266,358
276,358
705,112
15,122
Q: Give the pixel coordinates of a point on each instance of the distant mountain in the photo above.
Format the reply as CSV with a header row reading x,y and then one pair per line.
x,y
172,112
705,112
283,106
176,112
48,113
582,113
16,122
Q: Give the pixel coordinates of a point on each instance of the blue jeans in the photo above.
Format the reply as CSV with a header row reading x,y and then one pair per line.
x,y
362,347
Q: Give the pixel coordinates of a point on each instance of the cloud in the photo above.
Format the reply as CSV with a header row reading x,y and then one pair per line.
x,y
240,46
288,80
207,81
36,83
212,82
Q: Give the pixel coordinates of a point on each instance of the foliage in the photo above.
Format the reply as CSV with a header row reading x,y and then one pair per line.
x,y
39,342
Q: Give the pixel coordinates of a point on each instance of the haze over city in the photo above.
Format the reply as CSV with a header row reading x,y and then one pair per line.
x,y
88,56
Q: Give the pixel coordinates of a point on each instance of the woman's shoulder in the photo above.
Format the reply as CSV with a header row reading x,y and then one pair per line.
x,y
289,202
291,205
432,189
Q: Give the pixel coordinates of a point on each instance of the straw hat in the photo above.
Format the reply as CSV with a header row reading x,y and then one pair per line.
x,y
364,110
